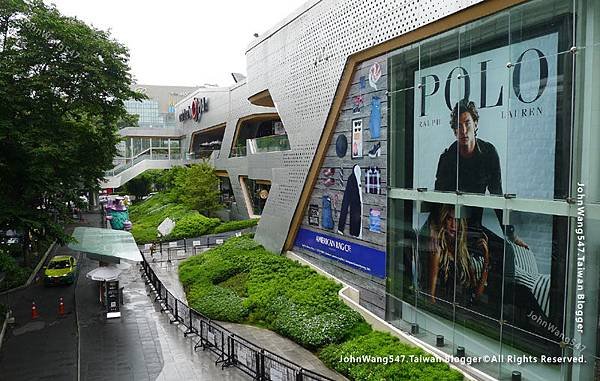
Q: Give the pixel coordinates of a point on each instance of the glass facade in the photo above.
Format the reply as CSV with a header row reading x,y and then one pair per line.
x,y
226,196
149,114
260,134
494,188
205,142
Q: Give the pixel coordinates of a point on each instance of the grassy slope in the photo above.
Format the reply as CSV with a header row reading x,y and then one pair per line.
x,y
240,281
147,215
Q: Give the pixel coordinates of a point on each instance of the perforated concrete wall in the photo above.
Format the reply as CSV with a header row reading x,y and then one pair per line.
x,y
301,63
228,105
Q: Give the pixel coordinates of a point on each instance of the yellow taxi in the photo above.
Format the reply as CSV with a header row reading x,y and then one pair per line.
x,y
61,269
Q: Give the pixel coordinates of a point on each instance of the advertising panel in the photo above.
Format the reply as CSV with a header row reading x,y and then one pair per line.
x,y
361,257
484,127
507,121
112,299
348,203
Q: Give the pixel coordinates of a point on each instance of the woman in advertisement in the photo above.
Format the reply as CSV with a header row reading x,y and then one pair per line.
x,y
456,253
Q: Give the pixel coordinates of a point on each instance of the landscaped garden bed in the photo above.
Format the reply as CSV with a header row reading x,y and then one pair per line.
x,y
147,215
242,282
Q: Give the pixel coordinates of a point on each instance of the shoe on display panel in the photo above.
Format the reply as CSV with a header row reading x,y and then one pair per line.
x,y
329,172
376,150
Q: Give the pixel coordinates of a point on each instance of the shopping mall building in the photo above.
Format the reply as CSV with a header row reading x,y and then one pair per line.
x,y
436,155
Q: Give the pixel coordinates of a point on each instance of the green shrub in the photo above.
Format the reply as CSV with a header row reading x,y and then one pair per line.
x,y
385,345
15,275
217,302
147,215
193,225
268,290
240,281
237,284
191,271
203,268
315,330
235,225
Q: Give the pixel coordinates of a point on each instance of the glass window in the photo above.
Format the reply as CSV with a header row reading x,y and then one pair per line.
x,y
226,192
258,193
262,133
495,124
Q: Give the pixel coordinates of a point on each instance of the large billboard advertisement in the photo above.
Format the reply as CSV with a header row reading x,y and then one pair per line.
x,y
345,223
486,123
512,115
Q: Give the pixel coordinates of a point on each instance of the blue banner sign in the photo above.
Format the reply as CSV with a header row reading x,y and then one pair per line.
x,y
364,258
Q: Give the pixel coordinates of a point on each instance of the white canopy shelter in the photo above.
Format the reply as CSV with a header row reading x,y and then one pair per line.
x,y
106,245
106,273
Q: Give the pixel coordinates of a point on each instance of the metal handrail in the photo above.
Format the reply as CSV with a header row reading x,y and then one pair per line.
x,y
231,349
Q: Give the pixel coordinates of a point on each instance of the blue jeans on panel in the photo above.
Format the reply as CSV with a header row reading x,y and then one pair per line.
x,y
375,120
327,220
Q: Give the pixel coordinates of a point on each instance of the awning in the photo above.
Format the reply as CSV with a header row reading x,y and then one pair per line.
x,y
106,273
107,245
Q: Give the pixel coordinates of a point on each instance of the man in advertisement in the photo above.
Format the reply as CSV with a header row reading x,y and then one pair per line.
x,y
478,163
508,113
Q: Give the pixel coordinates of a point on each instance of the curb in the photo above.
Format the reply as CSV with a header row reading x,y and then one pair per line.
x,y
33,273
77,323
350,296
40,264
4,327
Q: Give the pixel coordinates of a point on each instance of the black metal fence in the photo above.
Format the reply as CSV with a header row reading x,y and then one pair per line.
x,y
229,348
177,250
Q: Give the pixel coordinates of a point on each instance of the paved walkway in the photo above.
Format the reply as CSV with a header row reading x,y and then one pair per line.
x,y
167,273
141,345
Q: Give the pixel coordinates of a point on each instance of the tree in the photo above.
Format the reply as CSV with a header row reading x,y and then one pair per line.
x,y
139,186
198,188
128,120
62,87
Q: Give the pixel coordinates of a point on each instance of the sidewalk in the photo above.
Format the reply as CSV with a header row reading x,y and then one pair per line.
x,y
167,273
141,345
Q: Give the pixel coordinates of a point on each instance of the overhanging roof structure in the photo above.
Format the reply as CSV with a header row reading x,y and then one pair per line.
x,y
105,245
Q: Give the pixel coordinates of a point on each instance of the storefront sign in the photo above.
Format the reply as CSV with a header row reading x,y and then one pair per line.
x,y
112,299
367,259
198,107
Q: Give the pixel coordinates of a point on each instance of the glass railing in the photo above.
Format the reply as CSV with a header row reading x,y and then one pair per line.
x,y
238,151
271,143
204,153
128,163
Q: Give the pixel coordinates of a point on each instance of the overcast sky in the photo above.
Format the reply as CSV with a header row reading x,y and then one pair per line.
x,y
182,42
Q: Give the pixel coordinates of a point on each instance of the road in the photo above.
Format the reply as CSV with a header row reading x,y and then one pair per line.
x,y
44,348
141,345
